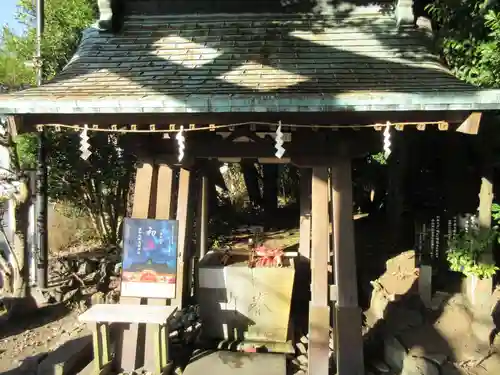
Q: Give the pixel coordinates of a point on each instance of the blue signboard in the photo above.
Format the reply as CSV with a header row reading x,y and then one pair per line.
x,y
149,258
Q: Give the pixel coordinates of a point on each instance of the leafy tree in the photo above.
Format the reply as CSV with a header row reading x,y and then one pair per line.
x,y
64,22
99,185
469,39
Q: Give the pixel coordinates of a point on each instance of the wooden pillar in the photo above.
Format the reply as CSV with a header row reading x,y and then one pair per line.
x,y
203,218
41,209
305,213
201,230
479,291
349,343
164,193
319,311
182,241
397,167
127,354
485,203
163,211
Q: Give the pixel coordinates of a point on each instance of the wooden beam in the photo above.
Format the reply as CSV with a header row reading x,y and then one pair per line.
x,y
314,148
471,124
305,213
319,315
273,160
127,348
349,344
229,160
320,118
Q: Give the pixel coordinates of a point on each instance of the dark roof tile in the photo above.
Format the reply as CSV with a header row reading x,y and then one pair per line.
x,y
253,63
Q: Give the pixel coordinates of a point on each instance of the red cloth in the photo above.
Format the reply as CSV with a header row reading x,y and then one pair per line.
x,y
268,257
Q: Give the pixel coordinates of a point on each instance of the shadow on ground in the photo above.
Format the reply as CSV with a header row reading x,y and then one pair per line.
x,y
28,316
57,361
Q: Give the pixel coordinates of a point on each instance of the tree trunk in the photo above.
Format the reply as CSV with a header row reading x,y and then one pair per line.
x,y
251,182
270,196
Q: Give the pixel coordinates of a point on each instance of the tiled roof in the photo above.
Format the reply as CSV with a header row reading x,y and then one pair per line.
x,y
250,62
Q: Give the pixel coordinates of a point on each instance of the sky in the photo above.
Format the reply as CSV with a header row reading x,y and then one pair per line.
x,y
7,11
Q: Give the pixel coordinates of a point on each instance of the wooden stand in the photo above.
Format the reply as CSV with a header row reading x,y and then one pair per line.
x,y
153,198
101,316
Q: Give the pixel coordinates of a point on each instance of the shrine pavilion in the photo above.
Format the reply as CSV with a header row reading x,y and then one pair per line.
x,y
214,71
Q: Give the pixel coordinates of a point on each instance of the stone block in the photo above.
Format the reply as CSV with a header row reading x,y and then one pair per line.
x,y
425,285
394,353
222,363
69,358
418,366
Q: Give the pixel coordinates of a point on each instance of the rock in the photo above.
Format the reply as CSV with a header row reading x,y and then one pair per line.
x,y
93,276
401,275
113,297
97,298
70,294
381,367
114,282
302,359
450,369
394,353
84,268
400,318
420,352
30,364
331,343
482,329
439,299
418,366
378,307
437,358
402,263
301,348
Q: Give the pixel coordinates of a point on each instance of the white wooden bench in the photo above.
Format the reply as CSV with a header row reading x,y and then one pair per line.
x,y
100,316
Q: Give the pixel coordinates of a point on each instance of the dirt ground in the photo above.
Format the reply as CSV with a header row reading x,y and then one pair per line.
x,y
32,338
29,339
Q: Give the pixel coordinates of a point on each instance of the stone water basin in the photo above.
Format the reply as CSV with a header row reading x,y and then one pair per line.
x,y
241,303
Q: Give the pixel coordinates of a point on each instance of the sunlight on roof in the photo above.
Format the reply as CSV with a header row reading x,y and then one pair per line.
x,y
261,77
366,44
184,52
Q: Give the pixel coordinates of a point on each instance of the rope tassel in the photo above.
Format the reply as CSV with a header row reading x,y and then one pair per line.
x,y
180,143
387,140
84,144
280,150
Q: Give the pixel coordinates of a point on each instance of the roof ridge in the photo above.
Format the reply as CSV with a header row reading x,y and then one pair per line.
x,y
368,11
